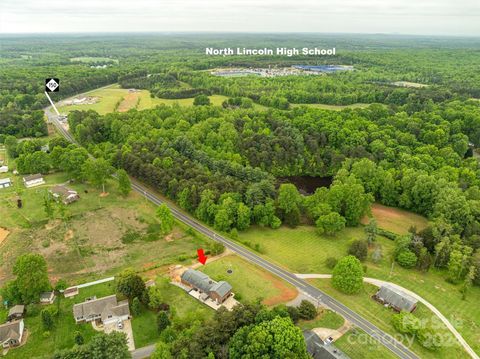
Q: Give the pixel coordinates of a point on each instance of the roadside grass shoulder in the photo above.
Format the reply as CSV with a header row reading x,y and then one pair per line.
x,y
359,345
325,319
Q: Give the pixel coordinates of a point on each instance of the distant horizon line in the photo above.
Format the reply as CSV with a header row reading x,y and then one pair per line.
x,y
234,33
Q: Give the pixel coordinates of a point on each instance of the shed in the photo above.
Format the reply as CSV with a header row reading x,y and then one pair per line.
x,y
33,180
3,169
47,297
16,312
70,292
5,182
396,298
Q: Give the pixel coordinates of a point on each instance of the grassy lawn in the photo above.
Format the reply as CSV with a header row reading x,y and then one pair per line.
x,y
288,247
184,309
396,220
108,97
364,305
62,335
359,345
325,319
250,282
331,107
93,60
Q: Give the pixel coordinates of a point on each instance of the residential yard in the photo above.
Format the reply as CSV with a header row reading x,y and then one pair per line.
x,y
62,335
377,314
288,247
325,319
250,282
102,234
359,345
185,309
109,97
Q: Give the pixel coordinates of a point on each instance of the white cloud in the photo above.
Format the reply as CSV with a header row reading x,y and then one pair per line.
x,y
401,16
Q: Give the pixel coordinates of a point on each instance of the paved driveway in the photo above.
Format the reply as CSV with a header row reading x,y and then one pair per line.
x,y
127,329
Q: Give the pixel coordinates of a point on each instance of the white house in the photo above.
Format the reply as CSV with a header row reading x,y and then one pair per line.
x,y
33,180
5,182
3,169
11,333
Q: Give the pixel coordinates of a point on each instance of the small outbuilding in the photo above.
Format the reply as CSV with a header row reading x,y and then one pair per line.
x,y
11,333
47,297
5,182
396,298
33,180
70,292
3,169
16,312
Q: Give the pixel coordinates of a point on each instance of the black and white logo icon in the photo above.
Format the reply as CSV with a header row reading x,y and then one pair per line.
x,y
52,85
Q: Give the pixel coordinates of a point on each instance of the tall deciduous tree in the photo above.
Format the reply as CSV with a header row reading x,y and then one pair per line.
x,y
124,184
32,277
97,171
277,338
348,275
164,214
130,284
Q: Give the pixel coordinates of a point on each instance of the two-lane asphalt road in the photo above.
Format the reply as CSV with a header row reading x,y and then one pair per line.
x,y
387,340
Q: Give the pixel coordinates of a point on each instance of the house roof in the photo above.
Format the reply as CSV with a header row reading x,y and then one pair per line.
x,y
317,348
396,298
105,307
221,288
46,295
17,309
5,180
198,279
32,177
10,330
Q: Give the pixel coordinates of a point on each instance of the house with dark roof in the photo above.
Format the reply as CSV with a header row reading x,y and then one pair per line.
x,y
47,297
33,180
16,312
318,349
105,310
64,194
11,333
218,291
396,298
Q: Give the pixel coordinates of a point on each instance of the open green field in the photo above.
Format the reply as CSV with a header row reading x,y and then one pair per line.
x,y
250,282
92,242
359,345
331,107
289,247
396,220
113,98
377,314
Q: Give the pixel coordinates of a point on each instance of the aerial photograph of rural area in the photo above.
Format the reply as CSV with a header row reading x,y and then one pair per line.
x,y
239,179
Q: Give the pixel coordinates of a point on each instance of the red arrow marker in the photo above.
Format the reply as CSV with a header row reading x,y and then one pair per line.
x,y
201,256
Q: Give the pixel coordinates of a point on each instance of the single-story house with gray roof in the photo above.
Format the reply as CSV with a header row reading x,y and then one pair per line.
x,y
105,309
396,298
33,180
218,291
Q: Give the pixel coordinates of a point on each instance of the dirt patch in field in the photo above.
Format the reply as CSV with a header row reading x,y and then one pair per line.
x,y
129,102
3,234
69,235
104,194
287,293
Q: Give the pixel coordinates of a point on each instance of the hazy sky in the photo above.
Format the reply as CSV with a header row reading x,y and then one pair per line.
x,y
443,17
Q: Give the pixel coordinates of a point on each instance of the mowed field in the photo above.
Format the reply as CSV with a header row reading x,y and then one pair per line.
x,y
331,107
396,220
250,282
303,250
113,98
377,314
